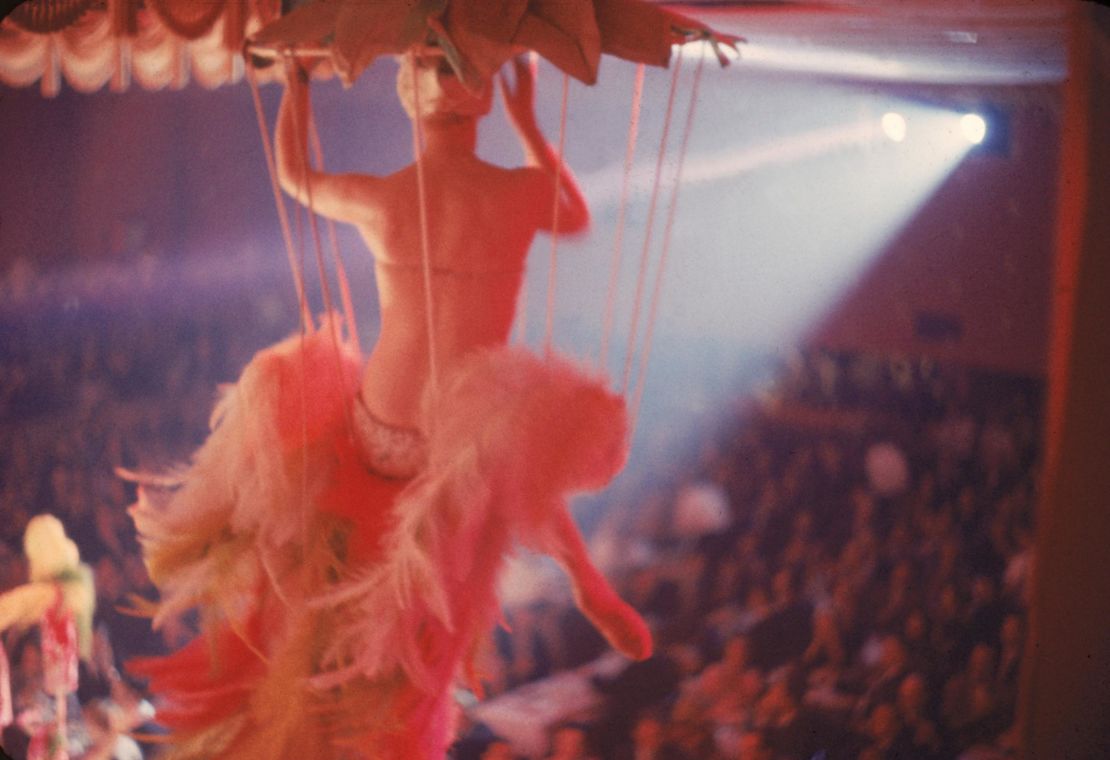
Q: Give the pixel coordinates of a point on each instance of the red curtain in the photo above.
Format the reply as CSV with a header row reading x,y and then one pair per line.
x,y
157,44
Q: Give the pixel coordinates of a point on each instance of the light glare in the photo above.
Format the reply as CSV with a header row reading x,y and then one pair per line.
x,y
973,127
894,126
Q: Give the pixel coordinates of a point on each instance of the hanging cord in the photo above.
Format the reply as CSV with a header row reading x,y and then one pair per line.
x,y
618,242
522,296
291,70
337,258
642,273
549,322
317,246
522,313
653,311
306,320
299,247
310,206
283,213
426,256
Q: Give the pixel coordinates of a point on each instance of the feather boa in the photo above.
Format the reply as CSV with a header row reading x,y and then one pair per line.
x,y
311,641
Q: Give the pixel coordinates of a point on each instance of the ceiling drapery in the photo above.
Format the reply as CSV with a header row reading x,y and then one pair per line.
x,y
160,43
153,43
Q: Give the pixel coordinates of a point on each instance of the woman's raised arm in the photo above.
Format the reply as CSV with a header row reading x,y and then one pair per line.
x,y
339,196
574,214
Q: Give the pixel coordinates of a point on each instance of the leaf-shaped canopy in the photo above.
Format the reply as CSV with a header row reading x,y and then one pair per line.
x,y
477,36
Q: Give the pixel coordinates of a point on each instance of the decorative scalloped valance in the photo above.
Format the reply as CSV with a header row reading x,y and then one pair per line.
x,y
155,43
45,16
478,36
161,43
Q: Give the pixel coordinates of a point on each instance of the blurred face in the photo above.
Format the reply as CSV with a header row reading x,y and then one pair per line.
x,y
783,585
915,626
966,501
911,695
109,581
982,661
569,742
776,702
687,658
1011,631
30,661
689,735
894,654
441,94
844,602
982,590
757,599
884,723
648,733
949,603
863,505
752,747
751,685
736,652
901,575
498,751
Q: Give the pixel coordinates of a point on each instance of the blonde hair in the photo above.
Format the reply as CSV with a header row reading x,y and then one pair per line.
x,y
442,93
48,550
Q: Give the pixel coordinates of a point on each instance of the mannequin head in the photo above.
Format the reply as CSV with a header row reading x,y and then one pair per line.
x,y
49,551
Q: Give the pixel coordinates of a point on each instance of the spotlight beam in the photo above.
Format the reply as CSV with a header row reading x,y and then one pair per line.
x,y
601,186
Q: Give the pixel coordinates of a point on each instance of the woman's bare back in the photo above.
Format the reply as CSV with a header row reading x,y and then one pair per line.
x,y
481,220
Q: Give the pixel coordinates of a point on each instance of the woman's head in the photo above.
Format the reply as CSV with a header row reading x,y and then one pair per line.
x,y
442,95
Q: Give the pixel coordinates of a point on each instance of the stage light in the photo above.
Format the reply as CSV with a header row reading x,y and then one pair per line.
x,y
974,128
834,185
894,126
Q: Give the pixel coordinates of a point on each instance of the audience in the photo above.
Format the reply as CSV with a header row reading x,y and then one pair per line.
x,y
864,596
119,394
859,602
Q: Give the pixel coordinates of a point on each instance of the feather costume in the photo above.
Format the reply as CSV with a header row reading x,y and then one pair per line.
x,y
340,606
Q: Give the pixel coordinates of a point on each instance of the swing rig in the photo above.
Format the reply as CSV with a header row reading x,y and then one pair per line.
x,y
631,382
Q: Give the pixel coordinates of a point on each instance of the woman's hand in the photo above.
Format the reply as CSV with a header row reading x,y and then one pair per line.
x,y
300,70
520,101
685,29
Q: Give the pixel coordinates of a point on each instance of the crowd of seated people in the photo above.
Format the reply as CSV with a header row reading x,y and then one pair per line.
x,y
82,394
863,597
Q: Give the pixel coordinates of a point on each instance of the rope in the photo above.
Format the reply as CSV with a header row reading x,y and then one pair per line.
x,y
522,313
283,214
618,242
426,257
642,274
318,250
522,295
549,323
337,258
667,235
298,283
